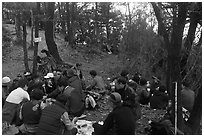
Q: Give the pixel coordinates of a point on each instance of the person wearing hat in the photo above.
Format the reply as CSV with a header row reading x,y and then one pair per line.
x,y
5,88
120,121
50,84
30,112
55,119
13,100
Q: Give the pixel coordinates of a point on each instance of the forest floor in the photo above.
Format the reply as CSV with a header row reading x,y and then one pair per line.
x,y
105,64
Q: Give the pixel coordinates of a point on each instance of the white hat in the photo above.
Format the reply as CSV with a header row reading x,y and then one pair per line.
x,y
6,80
49,75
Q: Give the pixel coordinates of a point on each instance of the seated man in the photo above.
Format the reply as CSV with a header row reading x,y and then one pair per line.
x,y
160,99
119,122
97,82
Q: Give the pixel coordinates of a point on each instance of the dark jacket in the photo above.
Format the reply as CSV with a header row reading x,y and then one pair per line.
x,y
50,123
31,113
159,100
119,122
75,103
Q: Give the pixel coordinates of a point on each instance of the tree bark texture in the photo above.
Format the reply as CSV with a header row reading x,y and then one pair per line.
x,y
25,48
18,27
36,36
49,37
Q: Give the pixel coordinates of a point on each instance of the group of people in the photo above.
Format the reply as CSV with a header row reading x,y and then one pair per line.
x,y
52,104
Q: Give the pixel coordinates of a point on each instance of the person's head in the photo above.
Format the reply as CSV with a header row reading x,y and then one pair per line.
x,y
162,88
36,94
93,73
62,98
143,82
57,73
115,99
6,81
124,73
70,73
120,83
185,84
62,83
78,65
22,83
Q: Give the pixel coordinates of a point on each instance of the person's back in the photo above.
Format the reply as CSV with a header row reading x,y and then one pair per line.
x,y
75,101
187,97
159,100
50,123
124,121
121,121
99,82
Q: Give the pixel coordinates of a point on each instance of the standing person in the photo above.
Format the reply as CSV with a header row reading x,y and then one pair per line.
x,y
31,112
55,119
5,88
13,100
120,121
128,96
97,82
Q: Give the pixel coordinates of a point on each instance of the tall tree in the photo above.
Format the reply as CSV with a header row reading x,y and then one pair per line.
x,y
49,37
25,45
173,46
37,11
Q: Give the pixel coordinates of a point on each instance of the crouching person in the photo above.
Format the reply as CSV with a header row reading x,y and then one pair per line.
x,y
55,119
30,113
120,121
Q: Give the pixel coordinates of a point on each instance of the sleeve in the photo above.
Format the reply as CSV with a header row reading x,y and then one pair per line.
x,y
53,94
65,119
27,96
93,83
108,124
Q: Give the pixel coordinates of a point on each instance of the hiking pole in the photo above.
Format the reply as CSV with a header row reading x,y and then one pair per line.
x,y
175,108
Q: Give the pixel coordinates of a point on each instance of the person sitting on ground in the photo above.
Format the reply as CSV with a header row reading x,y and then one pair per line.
x,y
155,84
60,89
36,82
118,122
12,102
187,96
5,88
124,73
50,84
128,96
57,75
55,119
143,93
30,113
27,75
159,99
75,94
77,70
97,83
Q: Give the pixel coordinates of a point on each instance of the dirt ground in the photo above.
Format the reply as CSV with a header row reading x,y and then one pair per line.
x,y
104,64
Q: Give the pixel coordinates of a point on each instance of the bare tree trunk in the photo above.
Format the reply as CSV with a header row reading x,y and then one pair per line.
x,y
31,41
18,27
96,23
173,49
25,48
36,36
51,45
